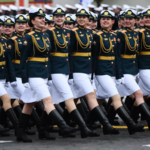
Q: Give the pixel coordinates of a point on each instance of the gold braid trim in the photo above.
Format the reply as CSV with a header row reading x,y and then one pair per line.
x,y
128,43
17,52
2,50
102,47
83,46
144,42
56,42
40,49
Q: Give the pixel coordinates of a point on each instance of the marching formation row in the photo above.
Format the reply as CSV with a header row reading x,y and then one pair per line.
x,y
59,70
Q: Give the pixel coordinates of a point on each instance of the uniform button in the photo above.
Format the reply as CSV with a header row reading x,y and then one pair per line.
x,y
47,52
133,61
112,62
45,65
2,67
112,51
89,58
67,59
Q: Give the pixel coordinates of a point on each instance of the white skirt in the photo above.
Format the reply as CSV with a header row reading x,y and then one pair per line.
x,y
2,87
16,92
39,90
129,87
106,86
60,90
82,84
144,81
71,84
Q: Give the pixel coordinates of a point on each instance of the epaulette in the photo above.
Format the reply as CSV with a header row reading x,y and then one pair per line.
x,y
3,37
30,33
88,28
137,30
123,31
14,37
99,33
52,28
66,28
141,30
113,33
74,29
93,31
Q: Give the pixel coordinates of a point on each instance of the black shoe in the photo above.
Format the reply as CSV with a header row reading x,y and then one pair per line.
x,y
8,124
64,128
43,134
3,130
132,127
29,132
107,128
85,131
145,111
21,136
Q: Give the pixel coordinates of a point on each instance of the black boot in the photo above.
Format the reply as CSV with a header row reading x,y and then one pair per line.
x,y
107,128
21,136
145,111
111,115
43,127
105,104
126,108
82,112
85,107
135,114
129,102
3,130
85,132
17,111
39,108
59,109
64,128
132,127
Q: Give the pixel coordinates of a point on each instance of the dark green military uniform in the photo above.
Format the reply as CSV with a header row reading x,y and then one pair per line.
x,y
36,50
15,46
128,46
144,52
59,38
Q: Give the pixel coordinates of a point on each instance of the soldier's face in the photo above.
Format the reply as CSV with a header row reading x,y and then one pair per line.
x,y
141,22
130,22
106,22
1,29
59,20
146,20
94,25
82,20
8,30
39,22
20,27
68,25
89,23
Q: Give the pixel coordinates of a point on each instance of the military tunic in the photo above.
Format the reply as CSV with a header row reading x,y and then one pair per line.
x,y
144,60
59,57
128,46
35,64
81,64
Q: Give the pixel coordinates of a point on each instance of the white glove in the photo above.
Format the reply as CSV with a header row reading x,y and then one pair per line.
x,y
120,81
70,81
26,85
7,84
13,84
49,83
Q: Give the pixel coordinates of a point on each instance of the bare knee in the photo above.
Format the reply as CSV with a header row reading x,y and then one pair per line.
x,y
5,99
47,100
138,94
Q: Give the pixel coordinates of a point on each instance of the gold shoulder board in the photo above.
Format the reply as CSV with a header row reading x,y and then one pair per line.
x,y
30,33
14,38
124,31
52,28
99,33
142,30
75,29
